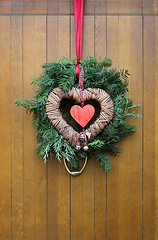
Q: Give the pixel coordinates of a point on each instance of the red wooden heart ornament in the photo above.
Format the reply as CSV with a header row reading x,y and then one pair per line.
x,y
82,115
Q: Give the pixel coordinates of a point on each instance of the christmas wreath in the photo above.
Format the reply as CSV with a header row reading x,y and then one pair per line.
x,y
61,75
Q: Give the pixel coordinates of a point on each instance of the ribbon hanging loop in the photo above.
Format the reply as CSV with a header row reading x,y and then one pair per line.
x,y
78,13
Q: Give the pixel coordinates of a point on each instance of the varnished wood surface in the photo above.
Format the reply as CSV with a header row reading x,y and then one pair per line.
x,y
5,131
100,7
124,192
39,201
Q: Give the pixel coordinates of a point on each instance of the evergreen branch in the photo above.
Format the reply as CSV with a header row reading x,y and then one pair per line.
x,y
61,73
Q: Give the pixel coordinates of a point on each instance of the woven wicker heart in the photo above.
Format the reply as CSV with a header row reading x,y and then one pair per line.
x,y
53,112
82,115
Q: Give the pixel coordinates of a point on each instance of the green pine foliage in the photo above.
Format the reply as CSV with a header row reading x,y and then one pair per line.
x,y
61,73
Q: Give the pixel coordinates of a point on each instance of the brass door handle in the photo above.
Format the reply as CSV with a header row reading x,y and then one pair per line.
x,y
75,173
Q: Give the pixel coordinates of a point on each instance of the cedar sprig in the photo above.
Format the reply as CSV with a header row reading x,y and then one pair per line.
x,y
61,73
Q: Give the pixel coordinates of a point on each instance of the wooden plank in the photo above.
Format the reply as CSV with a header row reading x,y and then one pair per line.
x,y
135,93
150,7
124,7
112,40
52,165
100,227
77,210
35,7
73,39
125,171
63,176
64,6
29,133
5,129
129,7
52,38
82,187
89,7
112,7
63,203
156,130
124,218
5,7
29,7
41,194
130,189
17,7
41,6
149,129
100,37
17,128
112,176
53,7
52,226
100,7
88,200
99,172
88,36
63,36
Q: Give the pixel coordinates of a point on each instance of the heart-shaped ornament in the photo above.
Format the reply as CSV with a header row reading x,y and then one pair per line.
x,y
53,111
82,115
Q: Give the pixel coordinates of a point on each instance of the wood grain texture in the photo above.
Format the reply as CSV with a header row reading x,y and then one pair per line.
x,y
41,193
63,176
28,131
130,7
100,7
131,31
64,6
100,183
17,128
136,93
150,7
17,7
73,39
149,130
112,40
127,210
156,129
5,130
53,7
52,38
29,7
90,7
5,7
113,176
41,7
52,165
100,37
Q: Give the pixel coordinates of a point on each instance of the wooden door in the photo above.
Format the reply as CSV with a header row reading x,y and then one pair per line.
x,y
42,201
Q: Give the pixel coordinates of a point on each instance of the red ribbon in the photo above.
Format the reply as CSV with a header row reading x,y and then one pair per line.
x,y
78,12
81,82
